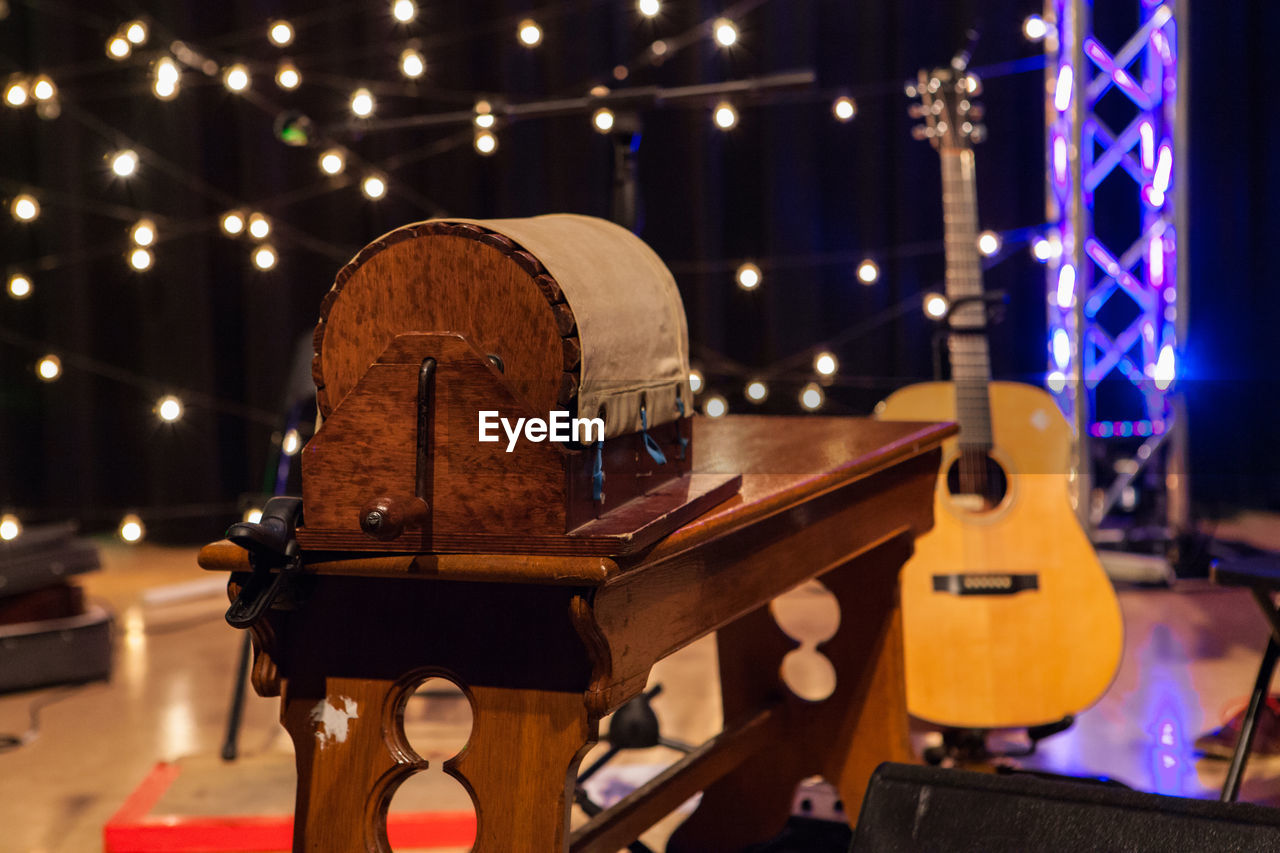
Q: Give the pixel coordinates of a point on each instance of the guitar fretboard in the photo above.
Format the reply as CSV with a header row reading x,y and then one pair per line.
x,y
967,343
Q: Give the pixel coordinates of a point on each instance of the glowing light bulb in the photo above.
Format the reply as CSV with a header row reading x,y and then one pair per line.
x,y
131,529
715,406
232,223
280,33
1061,348
143,233
16,94
168,408
404,11
124,163
24,207
10,527
845,108
291,443
725,31
726,117
1066,286
649,8
264,257
756,391
141,259
696,382
1035,28
49,368
118,47
988,243
749,276
374,187
19,286
603,120
136,32
936,305
825,364
412,65
287,75
42,89
486,142
362,103
812,397
259,226
1040,249
868,272
1062,91
165,78
1056,381
1164,371
530,33
333,161
236,78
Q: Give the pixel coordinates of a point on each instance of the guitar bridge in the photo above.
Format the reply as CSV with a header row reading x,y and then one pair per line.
x,y
985,583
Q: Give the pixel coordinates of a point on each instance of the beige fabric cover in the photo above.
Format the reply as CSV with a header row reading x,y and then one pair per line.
x,y
631,323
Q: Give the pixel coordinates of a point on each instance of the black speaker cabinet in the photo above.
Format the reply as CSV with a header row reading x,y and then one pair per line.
x,y
910,808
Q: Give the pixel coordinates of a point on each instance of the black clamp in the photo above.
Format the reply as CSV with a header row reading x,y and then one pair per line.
x,y
274,555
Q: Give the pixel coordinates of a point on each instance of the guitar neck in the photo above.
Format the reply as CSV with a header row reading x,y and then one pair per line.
x,y
967,343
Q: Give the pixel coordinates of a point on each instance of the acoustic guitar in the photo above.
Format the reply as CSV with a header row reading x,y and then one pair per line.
x,y
1009,619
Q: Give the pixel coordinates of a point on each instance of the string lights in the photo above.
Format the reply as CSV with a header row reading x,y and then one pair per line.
x,y
362,103
169,409
265,257
988,243
725,32
749,276
529,33
10,527
412,63
49,368
24,207
131,529
333,161
19,286
166,76
280,33
725,116
287,75
404,11
259,226
236,78
124,163
141,259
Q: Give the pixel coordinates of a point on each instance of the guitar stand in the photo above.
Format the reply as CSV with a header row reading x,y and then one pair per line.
x,y
634,726
962,747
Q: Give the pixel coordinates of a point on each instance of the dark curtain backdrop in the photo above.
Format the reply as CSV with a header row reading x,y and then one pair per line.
x,y
790,188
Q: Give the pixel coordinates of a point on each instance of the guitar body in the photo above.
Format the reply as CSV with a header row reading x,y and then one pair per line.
x,y
995,658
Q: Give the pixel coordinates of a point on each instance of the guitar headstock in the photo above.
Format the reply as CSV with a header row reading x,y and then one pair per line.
x,y
951,119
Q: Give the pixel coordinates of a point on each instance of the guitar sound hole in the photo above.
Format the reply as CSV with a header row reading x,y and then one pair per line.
x,y
976,482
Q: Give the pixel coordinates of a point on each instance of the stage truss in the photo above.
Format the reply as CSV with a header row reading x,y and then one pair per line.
x,y
1115,169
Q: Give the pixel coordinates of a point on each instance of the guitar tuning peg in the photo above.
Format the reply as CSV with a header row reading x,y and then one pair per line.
x,y
973,84
979,133
977,111
920,132
911,90
916,110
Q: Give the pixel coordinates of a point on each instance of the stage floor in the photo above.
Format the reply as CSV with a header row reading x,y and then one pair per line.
x,y
1190,658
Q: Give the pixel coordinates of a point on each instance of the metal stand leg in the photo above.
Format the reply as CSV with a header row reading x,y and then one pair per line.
x,y
1248,727
231,743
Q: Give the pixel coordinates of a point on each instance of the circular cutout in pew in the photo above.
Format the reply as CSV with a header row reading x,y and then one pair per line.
x,y
437,720
809,674
807,613
431,811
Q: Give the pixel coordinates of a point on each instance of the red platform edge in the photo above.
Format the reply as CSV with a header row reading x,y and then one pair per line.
x,y
133,829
